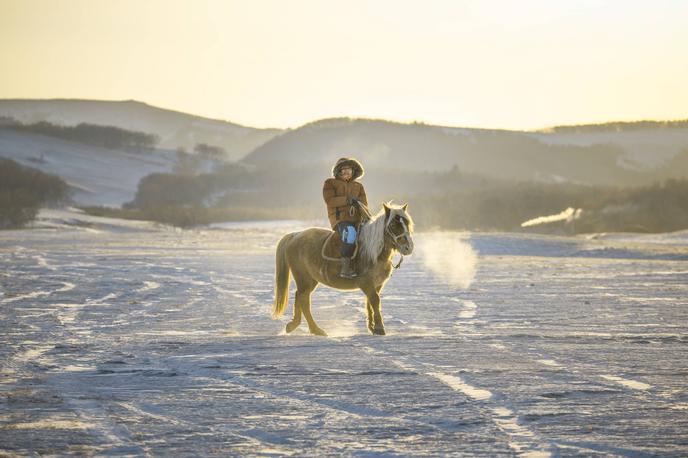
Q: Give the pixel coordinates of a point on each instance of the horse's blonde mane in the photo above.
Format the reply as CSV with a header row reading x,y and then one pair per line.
x,y
372,235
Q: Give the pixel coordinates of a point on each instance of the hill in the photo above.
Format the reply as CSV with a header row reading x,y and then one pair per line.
x,y
175,129
621,158
96,175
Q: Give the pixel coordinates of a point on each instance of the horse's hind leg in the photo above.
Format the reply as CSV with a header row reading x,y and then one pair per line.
x,y
369,315
303,301
373,295
296,321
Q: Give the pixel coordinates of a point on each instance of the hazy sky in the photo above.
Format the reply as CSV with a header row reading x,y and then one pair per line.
x,y
501,64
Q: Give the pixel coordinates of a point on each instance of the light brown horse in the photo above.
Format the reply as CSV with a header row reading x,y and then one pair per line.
x,y
301,254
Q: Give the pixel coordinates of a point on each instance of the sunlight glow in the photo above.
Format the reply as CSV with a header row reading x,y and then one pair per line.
x,y
269,63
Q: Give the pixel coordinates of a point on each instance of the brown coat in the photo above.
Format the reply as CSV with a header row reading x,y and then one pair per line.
x,y
336,193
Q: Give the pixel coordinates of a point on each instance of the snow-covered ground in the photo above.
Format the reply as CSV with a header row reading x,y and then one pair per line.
x,y
147,340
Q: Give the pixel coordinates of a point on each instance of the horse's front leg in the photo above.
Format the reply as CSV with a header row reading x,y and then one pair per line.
x,y
369,310
369,315
373,296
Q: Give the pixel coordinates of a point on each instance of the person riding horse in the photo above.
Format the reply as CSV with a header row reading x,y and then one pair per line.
x,y
342,195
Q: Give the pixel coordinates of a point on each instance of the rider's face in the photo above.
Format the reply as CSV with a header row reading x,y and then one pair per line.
x,y
346,173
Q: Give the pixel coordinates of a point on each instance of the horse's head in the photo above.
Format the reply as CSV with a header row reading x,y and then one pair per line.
x,y
399,227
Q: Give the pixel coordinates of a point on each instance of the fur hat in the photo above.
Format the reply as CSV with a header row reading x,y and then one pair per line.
x,y
348,162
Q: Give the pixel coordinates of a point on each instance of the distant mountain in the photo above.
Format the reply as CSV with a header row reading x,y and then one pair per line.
x,y
620,126
400,159
646,146
174,128
625,157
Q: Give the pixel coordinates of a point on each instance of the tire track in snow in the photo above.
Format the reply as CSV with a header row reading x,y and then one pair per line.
x,y
15,364
258,438
632,384
148,286
636,388
332,405
469,312
34,294
519,438
67,312
41,261
31,295
465,320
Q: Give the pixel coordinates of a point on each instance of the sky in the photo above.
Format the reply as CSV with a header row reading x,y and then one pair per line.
x,y
509,64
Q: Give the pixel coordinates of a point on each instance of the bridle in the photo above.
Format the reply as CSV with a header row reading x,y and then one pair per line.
x,y
396,237
389,232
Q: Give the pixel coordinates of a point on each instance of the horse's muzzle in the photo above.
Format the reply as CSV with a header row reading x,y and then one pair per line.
x,y
406,248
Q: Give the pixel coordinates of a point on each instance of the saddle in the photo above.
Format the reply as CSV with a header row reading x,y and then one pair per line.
x,y
332,248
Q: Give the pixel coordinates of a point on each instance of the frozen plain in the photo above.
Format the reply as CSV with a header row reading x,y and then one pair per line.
x,y
122,338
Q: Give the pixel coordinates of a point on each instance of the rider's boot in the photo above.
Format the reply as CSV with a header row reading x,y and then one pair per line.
x,y
347,268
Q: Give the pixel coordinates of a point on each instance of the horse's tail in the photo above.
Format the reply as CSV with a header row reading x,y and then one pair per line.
x,y
281,277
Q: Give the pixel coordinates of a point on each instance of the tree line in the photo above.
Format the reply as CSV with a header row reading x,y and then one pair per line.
x,y
24,190
91,134
620,126
443,200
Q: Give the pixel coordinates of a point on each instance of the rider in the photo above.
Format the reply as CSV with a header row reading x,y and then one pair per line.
x,y
342,194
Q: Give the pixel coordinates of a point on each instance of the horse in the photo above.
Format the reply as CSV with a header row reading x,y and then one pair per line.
x,y
302,255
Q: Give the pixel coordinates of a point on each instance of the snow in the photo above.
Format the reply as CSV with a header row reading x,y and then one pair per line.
x,y
460,131
143,340
264,225
100,176
644,149
671,238
75,219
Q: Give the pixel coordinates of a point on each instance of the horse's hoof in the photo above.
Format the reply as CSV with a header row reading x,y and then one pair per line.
x,y
379,331
318,332
291,326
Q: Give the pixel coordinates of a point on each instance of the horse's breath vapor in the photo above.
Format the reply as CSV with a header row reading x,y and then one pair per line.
x,y
449,256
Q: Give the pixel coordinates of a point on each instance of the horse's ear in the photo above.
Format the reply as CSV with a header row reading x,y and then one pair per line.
x,y
387,210
404,207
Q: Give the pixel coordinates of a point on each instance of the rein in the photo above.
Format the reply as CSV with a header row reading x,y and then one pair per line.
x,y
365,210
399,263
366,213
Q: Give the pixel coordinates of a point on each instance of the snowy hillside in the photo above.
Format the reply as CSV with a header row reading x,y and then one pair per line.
x,y
610,159
643,149
98,176
174,128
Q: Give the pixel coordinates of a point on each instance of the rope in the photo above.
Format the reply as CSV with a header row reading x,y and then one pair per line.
x,y
329,258
368,216
365,210
399,263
